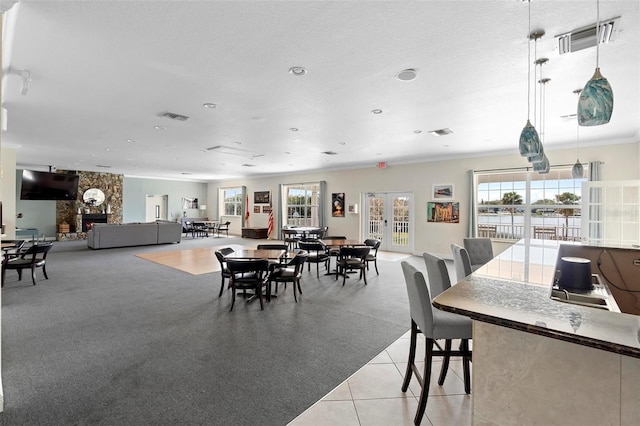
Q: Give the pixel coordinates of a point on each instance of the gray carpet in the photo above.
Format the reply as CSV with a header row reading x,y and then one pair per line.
x,y
113,339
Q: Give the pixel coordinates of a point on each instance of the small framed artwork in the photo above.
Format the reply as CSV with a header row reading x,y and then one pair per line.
x,y
256,209
337,204
442,192
443,212
266,209
262,197
189,203
353,208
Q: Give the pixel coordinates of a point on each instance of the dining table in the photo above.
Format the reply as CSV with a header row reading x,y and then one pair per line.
x,y
256,254
340,242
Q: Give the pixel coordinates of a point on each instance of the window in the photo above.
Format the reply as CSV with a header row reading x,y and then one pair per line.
x,y
232,201
523,204
303,202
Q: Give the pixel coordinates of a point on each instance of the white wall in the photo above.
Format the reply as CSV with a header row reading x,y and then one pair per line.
x,y
8,190
620,162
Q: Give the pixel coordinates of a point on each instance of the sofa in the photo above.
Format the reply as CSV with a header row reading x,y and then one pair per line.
x,y
107,235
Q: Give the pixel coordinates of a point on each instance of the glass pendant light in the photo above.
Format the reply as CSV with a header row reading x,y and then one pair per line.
x,y
577,171
541,118
529,143
595,105
542,167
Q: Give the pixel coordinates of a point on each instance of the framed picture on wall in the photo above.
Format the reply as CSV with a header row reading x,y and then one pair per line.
x,y
189,203
443,212
266,209
442,192
256,209
262,197
337,204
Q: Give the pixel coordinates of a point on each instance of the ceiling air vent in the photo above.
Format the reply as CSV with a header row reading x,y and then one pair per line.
x,y
329,153
585,37
248,165
174,116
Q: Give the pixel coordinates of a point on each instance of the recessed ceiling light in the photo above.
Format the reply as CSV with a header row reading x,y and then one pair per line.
x,y
203,150
329,153
159,127
102,166
342,143
417,132
185,173
376,111
407,75
131,140
210,105
293,129
287,152
108,149
297,71
238,143
446,145
441,132
248,165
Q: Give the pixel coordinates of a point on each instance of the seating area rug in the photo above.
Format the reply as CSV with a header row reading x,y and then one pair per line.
x,y
196,261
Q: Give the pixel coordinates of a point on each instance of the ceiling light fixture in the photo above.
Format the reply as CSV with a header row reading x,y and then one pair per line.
x,y
159,127
577,171
543,166
407,75
529,143
329,153
441,132
539,119
297,71
417,132
595,105
131,140
376,111
210,105
293,129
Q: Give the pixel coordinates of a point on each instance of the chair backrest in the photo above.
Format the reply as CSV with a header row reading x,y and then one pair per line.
x,y
272,247
374,244
437,273
36,249
220,254
238,266
419,298
224,225
289,232
316,233
298,261
355,252
316,246
480,250
461,262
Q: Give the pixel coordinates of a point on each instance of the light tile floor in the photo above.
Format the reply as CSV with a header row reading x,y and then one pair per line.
x,y
372,395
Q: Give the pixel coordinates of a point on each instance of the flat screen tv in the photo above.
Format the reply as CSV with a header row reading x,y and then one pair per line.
x,y
48,186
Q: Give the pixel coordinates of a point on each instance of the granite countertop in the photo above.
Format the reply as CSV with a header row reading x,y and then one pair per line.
x,y
513,291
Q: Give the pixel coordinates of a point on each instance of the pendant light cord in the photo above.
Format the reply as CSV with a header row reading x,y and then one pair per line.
x,y
597,33
529,66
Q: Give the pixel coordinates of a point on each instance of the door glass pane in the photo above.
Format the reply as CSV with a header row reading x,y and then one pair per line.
x,y
376,218
400,221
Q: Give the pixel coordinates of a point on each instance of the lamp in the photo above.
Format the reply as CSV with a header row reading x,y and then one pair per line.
x,y
203,207
595,105
529,143
577,171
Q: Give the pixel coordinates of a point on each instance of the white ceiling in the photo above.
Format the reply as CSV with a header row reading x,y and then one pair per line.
x,y
102,72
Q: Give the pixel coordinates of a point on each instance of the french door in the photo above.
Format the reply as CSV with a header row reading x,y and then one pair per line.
x,y
389,218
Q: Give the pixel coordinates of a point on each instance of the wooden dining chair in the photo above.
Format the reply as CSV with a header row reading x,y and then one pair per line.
x,y
290,272
317,253
248,275
224,270
32,258
373,257
352,258
224,227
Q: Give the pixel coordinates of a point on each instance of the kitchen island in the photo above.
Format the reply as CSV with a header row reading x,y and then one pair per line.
x,y
541,361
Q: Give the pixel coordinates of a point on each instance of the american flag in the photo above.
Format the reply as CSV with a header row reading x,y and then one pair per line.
x,y
270,224
246,213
